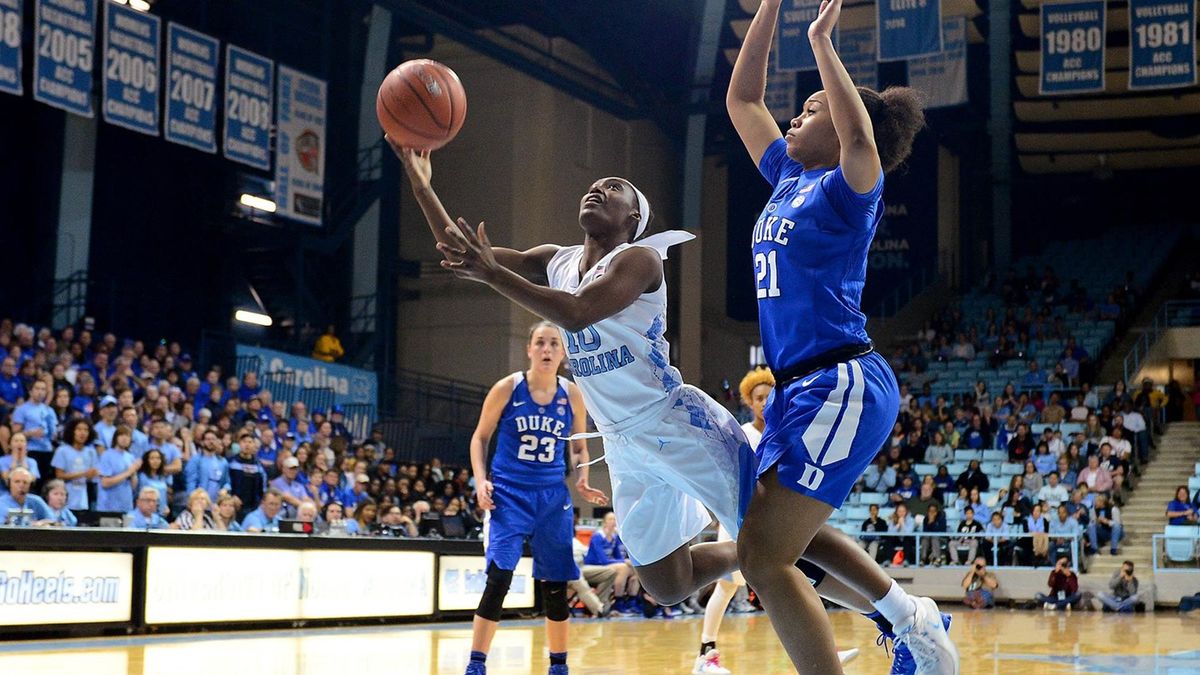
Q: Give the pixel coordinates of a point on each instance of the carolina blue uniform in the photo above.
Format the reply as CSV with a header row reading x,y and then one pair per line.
x,y
810,264
529,491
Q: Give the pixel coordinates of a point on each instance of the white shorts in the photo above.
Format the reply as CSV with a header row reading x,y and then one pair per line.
x,y
672,467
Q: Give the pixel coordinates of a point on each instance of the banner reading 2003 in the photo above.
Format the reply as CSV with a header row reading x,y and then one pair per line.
x,y
11,22
131,67
249,85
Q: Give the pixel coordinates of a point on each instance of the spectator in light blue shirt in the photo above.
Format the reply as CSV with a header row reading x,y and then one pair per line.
x,y
107,424
209,469
75,462
266,517
118,469
18,457
36,419
19,499
152,476
55,496
1044,461
146,516
140,441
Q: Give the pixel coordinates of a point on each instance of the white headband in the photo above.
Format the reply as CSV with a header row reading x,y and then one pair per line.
x,y
643,210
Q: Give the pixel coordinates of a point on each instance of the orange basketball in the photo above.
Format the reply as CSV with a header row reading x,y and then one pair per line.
x,y
421,104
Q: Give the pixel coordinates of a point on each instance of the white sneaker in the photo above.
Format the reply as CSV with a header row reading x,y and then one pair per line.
x,y
1049,606
848,655
926,638
710,664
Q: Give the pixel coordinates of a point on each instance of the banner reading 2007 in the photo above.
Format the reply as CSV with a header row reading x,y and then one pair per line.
x,y
1162,43
12,22
63,54
249,84
191,88
131,68
300,146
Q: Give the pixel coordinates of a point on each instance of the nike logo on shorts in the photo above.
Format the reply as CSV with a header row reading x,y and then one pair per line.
x,y
805,383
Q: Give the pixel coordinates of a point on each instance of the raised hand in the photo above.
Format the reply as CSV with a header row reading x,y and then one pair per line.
x,y
827,18
416,163
470,255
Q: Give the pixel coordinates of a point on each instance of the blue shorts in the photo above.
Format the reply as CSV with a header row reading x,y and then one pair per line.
x,y
824,429
544,516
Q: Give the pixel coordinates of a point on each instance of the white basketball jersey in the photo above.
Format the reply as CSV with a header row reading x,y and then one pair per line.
x,y
622,363
753,435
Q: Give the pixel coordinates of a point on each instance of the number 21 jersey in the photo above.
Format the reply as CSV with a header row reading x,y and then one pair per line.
x,y
530,446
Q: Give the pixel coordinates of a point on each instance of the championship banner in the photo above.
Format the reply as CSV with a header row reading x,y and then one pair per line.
x,y
12,21
249,84
857,49
1072,47
191,88
794,51
780,95
300,147
1162,43
62,57
909,28
131,68
943,78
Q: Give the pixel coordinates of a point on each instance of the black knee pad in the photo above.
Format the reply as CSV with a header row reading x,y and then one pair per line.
x,y
492,603
815,574
554,597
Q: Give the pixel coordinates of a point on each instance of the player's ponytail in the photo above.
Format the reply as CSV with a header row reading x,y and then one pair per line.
x,y
897,116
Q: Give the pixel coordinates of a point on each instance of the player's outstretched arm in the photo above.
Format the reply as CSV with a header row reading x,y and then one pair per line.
x,y
489,417
579,449
634,271
859,158
744,100
418,167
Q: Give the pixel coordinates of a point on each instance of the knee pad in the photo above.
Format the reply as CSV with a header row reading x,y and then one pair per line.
x,y
815,574
554,596
492,603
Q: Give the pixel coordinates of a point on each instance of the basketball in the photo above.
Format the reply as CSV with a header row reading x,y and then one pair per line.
x,y
421,104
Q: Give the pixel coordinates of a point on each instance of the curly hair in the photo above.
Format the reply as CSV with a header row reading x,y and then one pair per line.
x,y
69,431
760,375
896,114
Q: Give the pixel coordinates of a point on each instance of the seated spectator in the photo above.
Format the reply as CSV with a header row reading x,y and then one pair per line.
x,y
973,478
607,550
364,517
999,544
926,495
1043,461
1032,480
964,548
983,512
1015,505
224,518
333,518
267,516
1053,439
901,549
939,452
1054,412
1096,477
307,513
196,515
145,515
1120,445
1064,587
595,582
879,477
55,495
1075,461
353,497
963,349
1079,409
1020,446
1063,531
1066,476
979,586
394,523
1123,593
1037,525
1104,526
18,499
1117,467
1052,492
18,457
976,436
294,490
903,492
1179,510
943,482
151,476
872,524
933,548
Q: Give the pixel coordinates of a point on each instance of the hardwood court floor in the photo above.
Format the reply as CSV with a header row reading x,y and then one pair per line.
x,y
1001,641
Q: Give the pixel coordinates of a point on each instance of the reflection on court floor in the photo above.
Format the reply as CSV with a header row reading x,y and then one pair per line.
x,y
999,643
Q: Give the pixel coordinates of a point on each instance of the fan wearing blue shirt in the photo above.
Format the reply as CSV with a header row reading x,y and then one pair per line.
x,y
19,498
107,424
36,419
606,549
75,462
266,517
140,441
118,469
55,496
18,457
146,515
208,469
12,391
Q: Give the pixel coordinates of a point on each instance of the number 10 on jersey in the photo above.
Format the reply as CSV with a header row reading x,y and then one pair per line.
x,y
766,274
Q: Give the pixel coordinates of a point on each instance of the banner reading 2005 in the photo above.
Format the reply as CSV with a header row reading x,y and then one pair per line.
x,y
11,23
131,67
191,88
63,53
249,84
1162,43
300,146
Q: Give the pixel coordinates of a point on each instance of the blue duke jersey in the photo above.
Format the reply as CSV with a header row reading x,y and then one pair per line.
x,y
810,259
531,445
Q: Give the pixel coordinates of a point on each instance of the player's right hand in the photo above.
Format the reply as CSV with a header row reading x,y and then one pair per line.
x,y
416,163
483,495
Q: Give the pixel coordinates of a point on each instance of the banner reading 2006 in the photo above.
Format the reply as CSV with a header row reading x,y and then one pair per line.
x,y
249,81
131,67
12,22
1162,43
63,53
191,88
300,146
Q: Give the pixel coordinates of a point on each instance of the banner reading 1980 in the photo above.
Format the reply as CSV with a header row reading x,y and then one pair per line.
x,y
63,54
131,68
300,147
1162,43
11,23
191,88
249,85
1072,47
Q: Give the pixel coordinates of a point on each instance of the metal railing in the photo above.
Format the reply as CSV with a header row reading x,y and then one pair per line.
x,y
1159,544
1173,314
948,545
901,295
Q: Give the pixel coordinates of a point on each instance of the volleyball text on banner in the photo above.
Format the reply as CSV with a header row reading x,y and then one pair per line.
x,y
1162,43
1072,47
191,83
943,78
794,51
131,68
64,49
780,95
857,49
12,23
249,93
300,146
908,28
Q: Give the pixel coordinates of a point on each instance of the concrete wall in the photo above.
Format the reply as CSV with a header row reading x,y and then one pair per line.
x,y
1175,345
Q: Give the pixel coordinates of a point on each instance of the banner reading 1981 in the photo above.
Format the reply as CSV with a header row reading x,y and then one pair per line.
x,y
11,23
1162,43
1072,47
191,88
63,54
908,28
249,85
300,147
131,68
794,51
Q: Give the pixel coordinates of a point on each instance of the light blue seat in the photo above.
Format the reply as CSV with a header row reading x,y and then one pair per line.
x,y
1182,549
857,514
967,455
868,498
1009,469
992,469
1193,484
1197,469
925,469
995,455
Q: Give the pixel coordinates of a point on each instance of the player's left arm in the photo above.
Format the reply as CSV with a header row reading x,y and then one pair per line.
x,y
859,157
633,272
579,449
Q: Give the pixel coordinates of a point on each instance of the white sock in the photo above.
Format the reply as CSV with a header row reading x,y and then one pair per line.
x,y
897,606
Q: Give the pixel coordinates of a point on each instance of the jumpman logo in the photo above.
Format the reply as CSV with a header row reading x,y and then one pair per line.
x,y
662,444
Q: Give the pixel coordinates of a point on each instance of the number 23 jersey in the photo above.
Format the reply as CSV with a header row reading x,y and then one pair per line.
x,y
530,446
810,259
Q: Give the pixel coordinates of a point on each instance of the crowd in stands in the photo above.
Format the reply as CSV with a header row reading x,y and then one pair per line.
x,y
94,426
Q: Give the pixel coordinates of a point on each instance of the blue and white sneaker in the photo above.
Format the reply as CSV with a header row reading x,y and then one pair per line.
x,y
902,661
922,646
476,668
558,669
